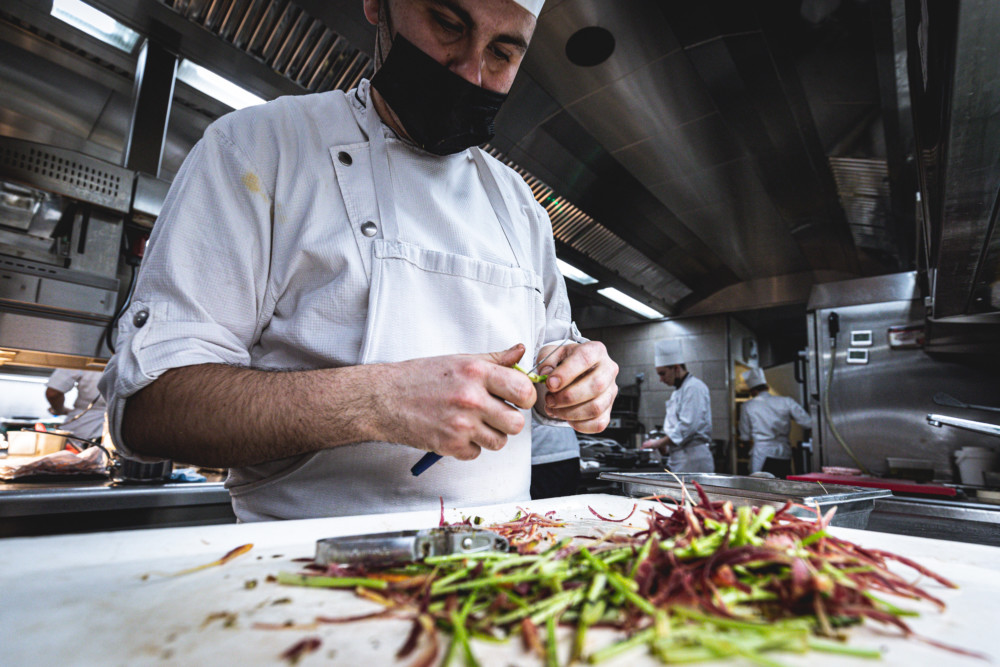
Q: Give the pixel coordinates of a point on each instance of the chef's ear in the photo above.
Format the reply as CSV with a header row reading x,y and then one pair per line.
x,y
371,10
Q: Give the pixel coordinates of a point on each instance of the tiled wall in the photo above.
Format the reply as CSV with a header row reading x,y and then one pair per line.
x,y
706,343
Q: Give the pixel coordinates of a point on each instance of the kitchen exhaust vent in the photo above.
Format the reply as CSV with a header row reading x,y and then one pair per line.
x,y
863,186
587,236
284,37
66,172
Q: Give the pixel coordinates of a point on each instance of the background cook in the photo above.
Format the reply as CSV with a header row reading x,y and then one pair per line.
x,y
86,418
766,421
688,419
334,276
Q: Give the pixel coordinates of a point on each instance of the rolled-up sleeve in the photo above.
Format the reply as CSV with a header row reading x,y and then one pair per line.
x,y
200,293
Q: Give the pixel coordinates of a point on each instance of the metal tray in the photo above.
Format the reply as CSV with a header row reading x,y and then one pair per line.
x,y
854,505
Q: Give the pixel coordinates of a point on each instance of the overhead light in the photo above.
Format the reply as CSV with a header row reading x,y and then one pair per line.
x,y
215,86
634,305
95,23
575,274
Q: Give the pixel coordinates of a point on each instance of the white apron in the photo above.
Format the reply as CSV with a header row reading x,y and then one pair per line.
x,y
693,458
422,303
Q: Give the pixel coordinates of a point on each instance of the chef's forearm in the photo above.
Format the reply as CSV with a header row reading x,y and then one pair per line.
x,y
56,400
222,416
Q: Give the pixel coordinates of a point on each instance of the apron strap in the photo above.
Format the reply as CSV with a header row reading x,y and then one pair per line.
x,y
385,197
499,205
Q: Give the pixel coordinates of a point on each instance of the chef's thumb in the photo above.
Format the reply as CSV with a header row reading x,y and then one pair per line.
x,y
508,357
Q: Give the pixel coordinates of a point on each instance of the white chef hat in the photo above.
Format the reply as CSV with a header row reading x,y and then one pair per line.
x,y
754,377
669,352
533,6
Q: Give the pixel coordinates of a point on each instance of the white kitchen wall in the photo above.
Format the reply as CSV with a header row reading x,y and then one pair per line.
x,y
24,396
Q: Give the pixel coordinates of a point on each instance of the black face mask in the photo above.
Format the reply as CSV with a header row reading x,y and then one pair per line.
x,y
442,112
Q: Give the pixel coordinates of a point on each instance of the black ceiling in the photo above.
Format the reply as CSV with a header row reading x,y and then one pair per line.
x,y
703,141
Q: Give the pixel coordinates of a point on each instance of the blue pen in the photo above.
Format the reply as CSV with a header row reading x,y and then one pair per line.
x,y
425,462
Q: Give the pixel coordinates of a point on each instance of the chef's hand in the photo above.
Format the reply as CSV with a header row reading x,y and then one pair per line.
x,y
661,444
581,385
454,405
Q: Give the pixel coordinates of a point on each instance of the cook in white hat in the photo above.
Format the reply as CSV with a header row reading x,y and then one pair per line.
x,y
766,419
380,277
688,419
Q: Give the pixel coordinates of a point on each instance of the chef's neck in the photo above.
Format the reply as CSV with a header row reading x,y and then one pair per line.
x,y
387,115
679,378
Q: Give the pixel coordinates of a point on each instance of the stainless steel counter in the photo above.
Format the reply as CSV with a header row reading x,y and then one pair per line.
x,y
959,521
33,508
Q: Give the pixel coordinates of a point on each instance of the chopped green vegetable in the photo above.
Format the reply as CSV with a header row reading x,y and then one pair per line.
x,y
316,581
533,376
704,582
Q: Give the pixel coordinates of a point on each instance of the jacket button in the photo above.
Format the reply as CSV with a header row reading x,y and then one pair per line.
x,y
140,318
369,228
345,158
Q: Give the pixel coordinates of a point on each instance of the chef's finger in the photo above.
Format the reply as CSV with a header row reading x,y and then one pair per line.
x,y
503,418
550,356
465,451
507,357
594,409
510,385
577,360
584,388
591,426
490,438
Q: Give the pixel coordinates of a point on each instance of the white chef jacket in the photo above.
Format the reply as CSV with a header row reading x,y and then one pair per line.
x,y
259,258
688,419
766,419
81,422
552,442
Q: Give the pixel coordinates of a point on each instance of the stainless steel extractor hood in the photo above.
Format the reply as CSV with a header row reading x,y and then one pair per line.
x,y
956,77
61,223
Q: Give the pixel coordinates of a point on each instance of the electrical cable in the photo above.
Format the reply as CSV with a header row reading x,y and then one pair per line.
x,y
114,320
826,408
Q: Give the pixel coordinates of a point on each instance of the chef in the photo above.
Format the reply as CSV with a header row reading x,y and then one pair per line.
x,y
338,283
688,420
766,420
86,418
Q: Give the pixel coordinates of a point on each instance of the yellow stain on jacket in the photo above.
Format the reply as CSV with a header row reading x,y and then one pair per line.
x,y
252,183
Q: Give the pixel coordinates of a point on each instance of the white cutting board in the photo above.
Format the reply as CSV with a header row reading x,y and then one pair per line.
x,y
95,599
